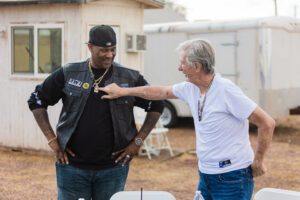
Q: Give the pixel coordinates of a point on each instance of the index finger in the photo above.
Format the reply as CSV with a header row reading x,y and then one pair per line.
x,y
65,157
120,157
106,96
118,152
70,152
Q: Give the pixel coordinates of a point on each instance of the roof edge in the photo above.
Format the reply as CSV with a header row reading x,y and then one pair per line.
x,y
22,2
287,23
152,3
147,3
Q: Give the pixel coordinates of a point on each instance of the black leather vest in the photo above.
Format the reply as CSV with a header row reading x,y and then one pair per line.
x,y
78,83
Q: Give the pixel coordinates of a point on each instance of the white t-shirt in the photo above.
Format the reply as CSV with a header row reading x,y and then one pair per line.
x,y
222,136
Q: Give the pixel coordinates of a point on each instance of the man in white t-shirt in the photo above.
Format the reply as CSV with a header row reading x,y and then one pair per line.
x,y
221,113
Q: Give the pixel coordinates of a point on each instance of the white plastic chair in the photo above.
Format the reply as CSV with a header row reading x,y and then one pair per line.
x,y
276,194
145,195
157,139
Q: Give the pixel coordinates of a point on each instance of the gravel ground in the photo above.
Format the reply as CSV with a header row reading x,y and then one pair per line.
x,y
31,175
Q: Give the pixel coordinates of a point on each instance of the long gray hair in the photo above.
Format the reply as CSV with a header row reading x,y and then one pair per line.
x,y
199,51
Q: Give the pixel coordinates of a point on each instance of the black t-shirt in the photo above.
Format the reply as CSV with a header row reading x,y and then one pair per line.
x,y
93,140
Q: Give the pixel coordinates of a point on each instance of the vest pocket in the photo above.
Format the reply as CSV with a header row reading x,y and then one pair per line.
x,y
72,91
72,98
124,107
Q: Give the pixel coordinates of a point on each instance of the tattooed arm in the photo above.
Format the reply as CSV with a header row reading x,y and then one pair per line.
x,y
48,93
42,119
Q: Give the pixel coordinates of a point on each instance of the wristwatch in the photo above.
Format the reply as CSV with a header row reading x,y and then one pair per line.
x,y
138,141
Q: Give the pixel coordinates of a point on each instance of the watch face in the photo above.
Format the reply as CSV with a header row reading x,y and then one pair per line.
x,y
138,141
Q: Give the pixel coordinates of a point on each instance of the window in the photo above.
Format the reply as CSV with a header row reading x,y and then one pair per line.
x,y
36,49
22,50
49,50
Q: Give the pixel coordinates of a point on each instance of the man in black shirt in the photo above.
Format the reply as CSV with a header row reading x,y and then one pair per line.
x,y
95,138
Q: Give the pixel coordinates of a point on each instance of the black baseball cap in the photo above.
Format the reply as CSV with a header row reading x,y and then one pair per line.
x,y
102,36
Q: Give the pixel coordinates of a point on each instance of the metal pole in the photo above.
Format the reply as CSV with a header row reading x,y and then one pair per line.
x,y
275,5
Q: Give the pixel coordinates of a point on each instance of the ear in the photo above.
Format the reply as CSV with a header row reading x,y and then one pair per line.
x,y
198,67
90,46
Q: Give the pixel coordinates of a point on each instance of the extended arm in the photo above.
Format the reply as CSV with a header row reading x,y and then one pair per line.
x,y
147,92
265,125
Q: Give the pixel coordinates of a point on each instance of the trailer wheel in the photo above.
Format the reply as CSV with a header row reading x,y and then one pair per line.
x,y
169,116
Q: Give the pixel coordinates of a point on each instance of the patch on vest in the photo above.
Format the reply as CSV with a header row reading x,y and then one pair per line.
x,y
86,86
74,82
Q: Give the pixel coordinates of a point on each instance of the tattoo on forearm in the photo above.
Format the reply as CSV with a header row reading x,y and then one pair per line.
x,y
41,116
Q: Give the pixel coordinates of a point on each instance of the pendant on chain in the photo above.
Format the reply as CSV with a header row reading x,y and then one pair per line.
x,y
96,88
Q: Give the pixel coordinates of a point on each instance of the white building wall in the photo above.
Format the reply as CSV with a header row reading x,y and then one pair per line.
x,y
18,127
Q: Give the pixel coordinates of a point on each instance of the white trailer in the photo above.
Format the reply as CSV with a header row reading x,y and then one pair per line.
x,y
260,55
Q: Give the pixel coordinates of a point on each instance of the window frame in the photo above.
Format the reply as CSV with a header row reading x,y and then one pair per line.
x,y
35,27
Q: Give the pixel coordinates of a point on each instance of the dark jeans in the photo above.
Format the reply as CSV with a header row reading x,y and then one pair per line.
x,y
234,185
74,183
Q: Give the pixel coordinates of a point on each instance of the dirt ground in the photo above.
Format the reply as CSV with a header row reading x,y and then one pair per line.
x,y
31,175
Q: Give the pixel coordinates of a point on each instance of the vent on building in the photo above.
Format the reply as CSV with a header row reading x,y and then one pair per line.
x,y
136,42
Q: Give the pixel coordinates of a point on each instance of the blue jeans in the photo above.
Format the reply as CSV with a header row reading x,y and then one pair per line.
x,y
234,185
74,183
